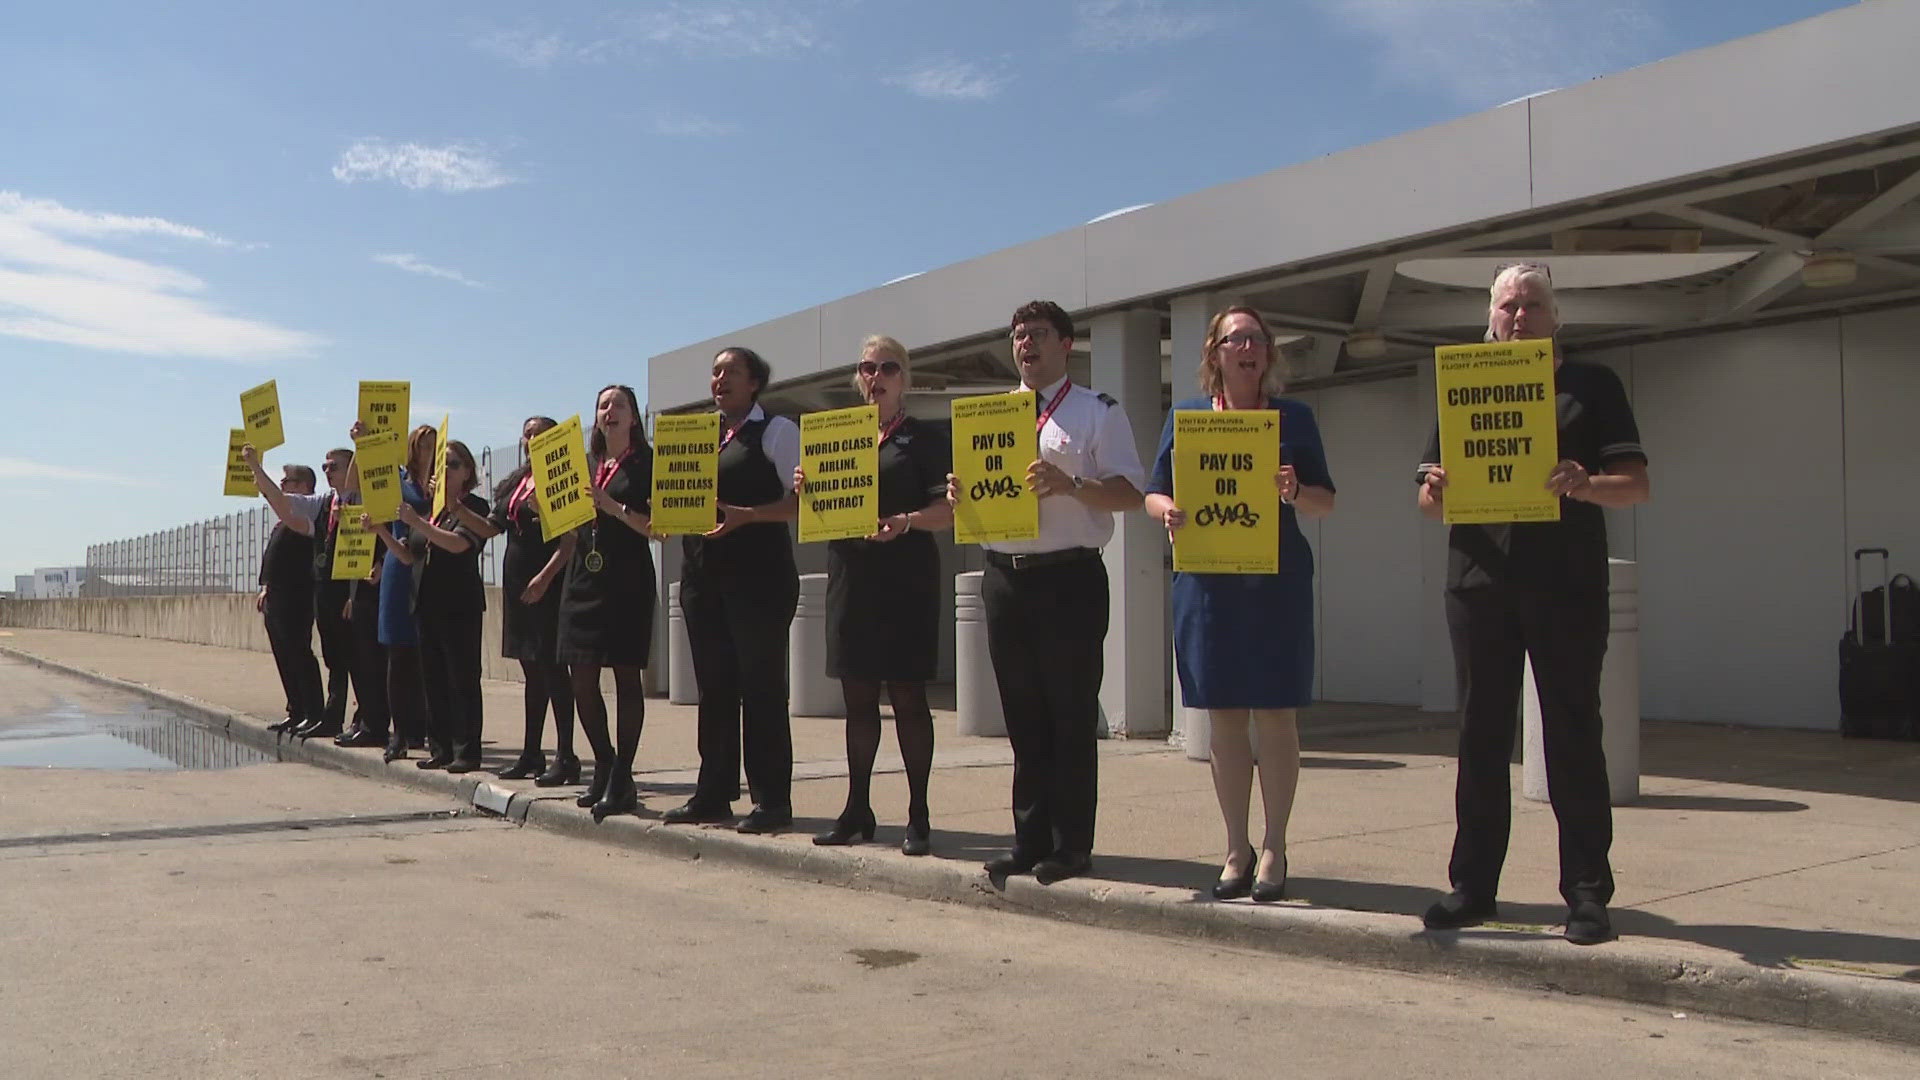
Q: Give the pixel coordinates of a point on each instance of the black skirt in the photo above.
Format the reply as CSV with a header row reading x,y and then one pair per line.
x,y
883,609
606,615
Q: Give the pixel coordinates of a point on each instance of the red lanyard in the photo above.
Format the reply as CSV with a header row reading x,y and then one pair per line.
x,y
727,435
1041,420
520,496
604,474
893,425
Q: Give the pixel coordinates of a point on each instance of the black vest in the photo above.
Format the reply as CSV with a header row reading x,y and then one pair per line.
x,y
287,564
323,539
747,478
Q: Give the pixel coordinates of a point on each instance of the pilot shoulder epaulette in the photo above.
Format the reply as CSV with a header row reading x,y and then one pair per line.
x,y
1110,402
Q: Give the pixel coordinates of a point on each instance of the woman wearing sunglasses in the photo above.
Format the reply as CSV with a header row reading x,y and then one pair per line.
x,y
445,554
883,600
1243,643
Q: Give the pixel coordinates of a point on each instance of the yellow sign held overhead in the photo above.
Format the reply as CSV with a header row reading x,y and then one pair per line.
x,y
239,473
686,473
1223,469
1499,431
840,454
353,546
379,457
383,405
261,407
559,461
440,470
993,443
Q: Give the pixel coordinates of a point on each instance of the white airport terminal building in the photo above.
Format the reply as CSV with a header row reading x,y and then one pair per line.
x,y
1735,231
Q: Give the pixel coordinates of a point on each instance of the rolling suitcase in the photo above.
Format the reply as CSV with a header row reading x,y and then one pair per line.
x,y
1879,665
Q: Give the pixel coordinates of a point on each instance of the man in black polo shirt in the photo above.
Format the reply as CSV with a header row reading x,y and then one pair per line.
x,y
286,602
1540,591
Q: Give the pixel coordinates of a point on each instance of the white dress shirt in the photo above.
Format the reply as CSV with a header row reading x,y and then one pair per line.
x,y
1085,436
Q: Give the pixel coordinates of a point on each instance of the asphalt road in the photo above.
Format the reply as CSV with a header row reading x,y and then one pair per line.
x,y
279,920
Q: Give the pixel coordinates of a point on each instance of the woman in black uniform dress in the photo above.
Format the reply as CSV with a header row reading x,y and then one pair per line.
x,y
883,600
449,604
606,605
530,617
738,592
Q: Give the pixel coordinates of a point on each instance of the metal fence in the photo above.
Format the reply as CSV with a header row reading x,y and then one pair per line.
x,y
222,554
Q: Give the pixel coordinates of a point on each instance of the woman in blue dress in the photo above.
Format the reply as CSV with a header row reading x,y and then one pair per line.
x,y
1243,643
399,632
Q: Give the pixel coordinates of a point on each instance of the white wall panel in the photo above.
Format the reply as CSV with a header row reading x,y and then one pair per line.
x,y
1881,373
1368,552
1740,548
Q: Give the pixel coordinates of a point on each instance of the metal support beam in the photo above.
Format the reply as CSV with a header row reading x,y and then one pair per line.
x,y
1760,283
1877,209
1373,296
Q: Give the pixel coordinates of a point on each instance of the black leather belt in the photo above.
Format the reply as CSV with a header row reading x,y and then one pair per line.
x,y
1037,559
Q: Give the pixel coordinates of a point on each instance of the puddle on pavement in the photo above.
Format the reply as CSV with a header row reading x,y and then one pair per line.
x,y
68,736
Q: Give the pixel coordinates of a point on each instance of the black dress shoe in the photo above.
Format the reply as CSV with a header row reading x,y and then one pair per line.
x,y
564,770
1266,892
765,819
919,839
621,796
1062,865
318,729
286,724
360,737
850,825
1013,862
1240,884
458,766
1457,910
524,766
597,787
396,751
694,813
1587,923
437,761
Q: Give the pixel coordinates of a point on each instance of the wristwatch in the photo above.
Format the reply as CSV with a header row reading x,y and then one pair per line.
x,y
1078,482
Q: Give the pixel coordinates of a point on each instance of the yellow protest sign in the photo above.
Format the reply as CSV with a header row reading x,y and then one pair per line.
x,y
559,461
840,454
383,405
1499,432
1223,468
353,546
993,443
379,457
440,469
261,407
239,473
686,472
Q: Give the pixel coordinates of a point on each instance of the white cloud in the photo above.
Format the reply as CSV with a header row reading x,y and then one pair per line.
x,y
1468,50
55,288
1141,102
952,80
528,48
1113,25
455,167
728,28
13,468
693,127
412,265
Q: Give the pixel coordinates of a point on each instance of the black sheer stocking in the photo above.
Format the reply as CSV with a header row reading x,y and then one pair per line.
x,y
548,685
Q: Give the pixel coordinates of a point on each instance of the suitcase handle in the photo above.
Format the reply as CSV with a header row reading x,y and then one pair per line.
x,y
1863,552
1859,594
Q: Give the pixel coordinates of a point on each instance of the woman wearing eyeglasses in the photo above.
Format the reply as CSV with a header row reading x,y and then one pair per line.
x,y
883,600
398,631
530,573
1243,643
445,555
606,604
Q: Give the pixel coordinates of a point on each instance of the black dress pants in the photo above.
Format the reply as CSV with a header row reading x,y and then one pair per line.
x,y
336,645
737,631
1046,629
289,623
450,672
1494,630
370,709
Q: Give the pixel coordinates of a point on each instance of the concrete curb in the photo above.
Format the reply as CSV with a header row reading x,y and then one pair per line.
x,y
1634,970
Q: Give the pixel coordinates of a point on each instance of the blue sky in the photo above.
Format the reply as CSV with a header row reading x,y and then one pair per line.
x,y
511,205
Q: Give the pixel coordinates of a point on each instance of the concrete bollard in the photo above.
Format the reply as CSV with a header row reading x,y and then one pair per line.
x,y
976,692
809,691
682,687
1619,697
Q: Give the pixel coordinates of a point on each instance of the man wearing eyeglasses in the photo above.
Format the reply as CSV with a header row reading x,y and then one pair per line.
x,y
1046,602
1538,590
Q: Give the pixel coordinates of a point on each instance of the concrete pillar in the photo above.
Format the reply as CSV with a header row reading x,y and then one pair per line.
x,y
661,668
809,691
976,691
1126,367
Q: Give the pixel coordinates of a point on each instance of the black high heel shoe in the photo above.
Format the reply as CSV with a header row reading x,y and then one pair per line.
x,y
1266,892
846,828
528,764
919,838
621,797
597,787
564,770
1239,885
